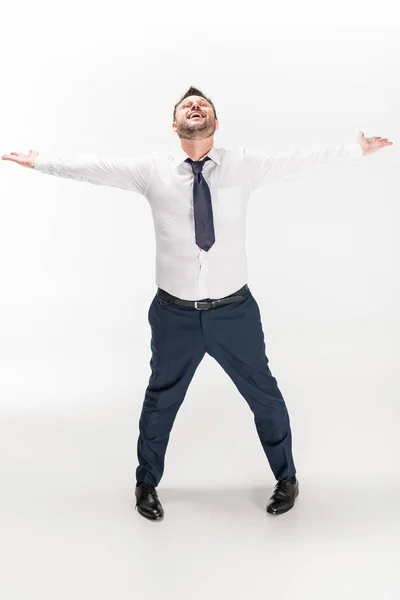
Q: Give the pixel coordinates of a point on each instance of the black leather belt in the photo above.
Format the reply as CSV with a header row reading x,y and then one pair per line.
x,y
203,304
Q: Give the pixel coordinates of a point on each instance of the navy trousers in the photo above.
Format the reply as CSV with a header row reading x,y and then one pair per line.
x,y
233,335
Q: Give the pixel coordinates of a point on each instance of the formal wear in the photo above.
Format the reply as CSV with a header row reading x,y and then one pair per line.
x,y
186,316
166,180
202,206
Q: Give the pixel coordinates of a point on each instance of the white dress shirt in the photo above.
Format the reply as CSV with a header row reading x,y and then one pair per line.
x,y
182,268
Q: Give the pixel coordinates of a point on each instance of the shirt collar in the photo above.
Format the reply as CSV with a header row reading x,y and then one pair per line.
x,y
180,156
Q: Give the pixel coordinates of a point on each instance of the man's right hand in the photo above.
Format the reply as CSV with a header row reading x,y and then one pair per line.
x,y
25,160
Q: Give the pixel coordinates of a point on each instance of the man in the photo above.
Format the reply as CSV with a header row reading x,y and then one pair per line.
x,y
198,198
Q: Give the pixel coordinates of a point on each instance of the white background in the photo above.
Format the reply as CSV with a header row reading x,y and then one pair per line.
x,y
77,278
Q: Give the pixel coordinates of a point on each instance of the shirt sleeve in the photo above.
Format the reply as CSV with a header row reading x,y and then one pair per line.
x,y
131,173
262,168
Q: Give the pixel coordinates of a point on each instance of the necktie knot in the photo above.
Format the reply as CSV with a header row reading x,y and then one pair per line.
x,y
197,165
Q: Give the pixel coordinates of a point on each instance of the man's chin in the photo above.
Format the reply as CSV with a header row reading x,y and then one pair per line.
x,y
193,132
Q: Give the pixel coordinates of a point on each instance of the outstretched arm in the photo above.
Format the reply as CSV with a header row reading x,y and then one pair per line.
x,y
262,168
131,173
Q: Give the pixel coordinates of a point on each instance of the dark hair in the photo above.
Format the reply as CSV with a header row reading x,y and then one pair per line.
x,y
192,91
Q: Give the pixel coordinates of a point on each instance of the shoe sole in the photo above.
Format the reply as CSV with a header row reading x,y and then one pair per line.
x,y
279,512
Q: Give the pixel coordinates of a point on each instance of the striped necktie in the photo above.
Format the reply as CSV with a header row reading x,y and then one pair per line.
x,y
202,208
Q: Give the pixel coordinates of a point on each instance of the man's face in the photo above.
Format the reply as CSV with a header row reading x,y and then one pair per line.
x,y
191,127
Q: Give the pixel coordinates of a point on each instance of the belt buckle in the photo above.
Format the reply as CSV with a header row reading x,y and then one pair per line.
x,y
201,302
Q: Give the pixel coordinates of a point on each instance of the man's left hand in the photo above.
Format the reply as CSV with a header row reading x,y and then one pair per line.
x,y
372,144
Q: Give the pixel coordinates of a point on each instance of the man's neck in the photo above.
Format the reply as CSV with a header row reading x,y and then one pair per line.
x,y
197,149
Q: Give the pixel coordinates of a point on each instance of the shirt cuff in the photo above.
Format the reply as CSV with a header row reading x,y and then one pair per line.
x,y
355,150
40,163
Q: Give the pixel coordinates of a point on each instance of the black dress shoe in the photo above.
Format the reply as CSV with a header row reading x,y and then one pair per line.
x,y
283,497
147,502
